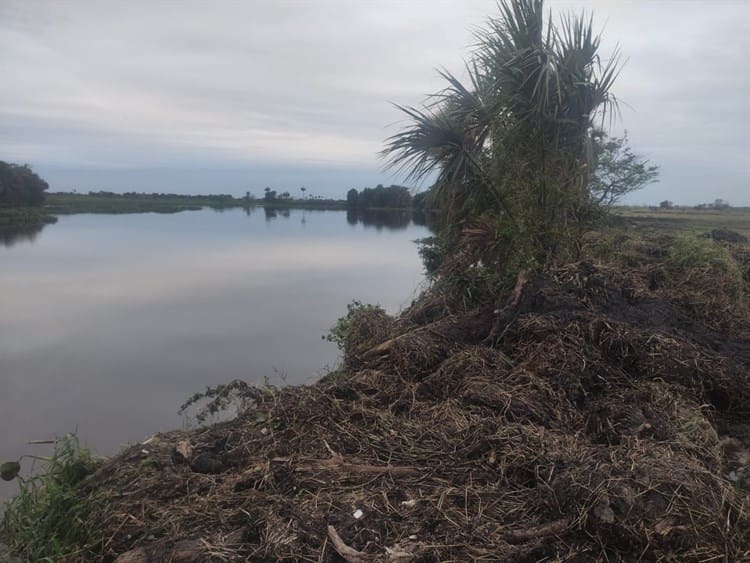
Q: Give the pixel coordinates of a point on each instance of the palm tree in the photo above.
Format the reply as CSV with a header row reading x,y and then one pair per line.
x,y
510,150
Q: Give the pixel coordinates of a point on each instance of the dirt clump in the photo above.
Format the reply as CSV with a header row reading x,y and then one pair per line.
x,y
726,235
596,417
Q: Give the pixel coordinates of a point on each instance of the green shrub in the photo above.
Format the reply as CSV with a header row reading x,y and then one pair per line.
x,y
431,254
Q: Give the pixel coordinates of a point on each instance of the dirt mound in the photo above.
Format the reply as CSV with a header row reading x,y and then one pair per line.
x,y
593,416
725,235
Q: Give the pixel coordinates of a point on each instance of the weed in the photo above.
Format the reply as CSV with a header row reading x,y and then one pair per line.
x,y
50,518
431,254
691,251
339,331
706,274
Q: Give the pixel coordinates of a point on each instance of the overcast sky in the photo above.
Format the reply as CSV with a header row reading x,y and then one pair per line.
x,y
202,97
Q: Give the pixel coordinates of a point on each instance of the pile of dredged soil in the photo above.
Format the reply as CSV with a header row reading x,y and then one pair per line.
x,y
600,413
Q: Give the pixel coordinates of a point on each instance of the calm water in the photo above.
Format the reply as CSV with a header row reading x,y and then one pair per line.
x,y
109,322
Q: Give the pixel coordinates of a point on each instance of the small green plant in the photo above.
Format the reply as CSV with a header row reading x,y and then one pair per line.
x,y
51,517
431,254
339,331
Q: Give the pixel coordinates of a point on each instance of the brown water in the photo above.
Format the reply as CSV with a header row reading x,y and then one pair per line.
x,y
109,322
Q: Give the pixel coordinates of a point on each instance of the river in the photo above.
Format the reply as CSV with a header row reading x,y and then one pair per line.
x,y
109,322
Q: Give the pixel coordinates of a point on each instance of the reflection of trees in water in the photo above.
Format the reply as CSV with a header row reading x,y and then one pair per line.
x,y
274,212
390,219
10,236
422,218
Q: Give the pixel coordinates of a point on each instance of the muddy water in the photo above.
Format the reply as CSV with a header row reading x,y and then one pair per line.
x,y
109,322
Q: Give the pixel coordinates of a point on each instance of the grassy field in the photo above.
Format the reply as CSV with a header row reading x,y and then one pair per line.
x,y
67,203
688,219
142,203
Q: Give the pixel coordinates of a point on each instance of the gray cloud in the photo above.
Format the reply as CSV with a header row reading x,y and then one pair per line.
x,y
292,93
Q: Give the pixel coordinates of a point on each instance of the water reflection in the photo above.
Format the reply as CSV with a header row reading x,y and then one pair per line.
x,y
274,212
389,219
379,219
10,236
111,321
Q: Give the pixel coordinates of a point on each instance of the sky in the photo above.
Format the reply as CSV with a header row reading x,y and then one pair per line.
x,y
229,97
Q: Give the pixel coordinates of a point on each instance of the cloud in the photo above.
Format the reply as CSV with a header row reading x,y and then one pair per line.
x,y
145,279
308,85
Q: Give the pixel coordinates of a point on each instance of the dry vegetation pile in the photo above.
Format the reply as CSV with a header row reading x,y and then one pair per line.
x,y
601,413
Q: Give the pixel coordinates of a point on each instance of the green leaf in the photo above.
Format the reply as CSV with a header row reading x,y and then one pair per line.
x,y
9,470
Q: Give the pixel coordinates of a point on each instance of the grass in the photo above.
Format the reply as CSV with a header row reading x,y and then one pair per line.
x,y
50,519
25,217
707,277
689,219
705,274
81,203
689,251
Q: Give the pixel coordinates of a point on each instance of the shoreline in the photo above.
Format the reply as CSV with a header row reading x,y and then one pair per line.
x,y
25,217
568,418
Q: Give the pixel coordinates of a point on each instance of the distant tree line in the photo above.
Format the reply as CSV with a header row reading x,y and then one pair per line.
x,y
155,195
379,197
271,196
20,186
716,204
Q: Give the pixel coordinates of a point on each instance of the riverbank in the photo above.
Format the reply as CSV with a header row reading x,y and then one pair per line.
x,y
599,410
25,217
106,202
